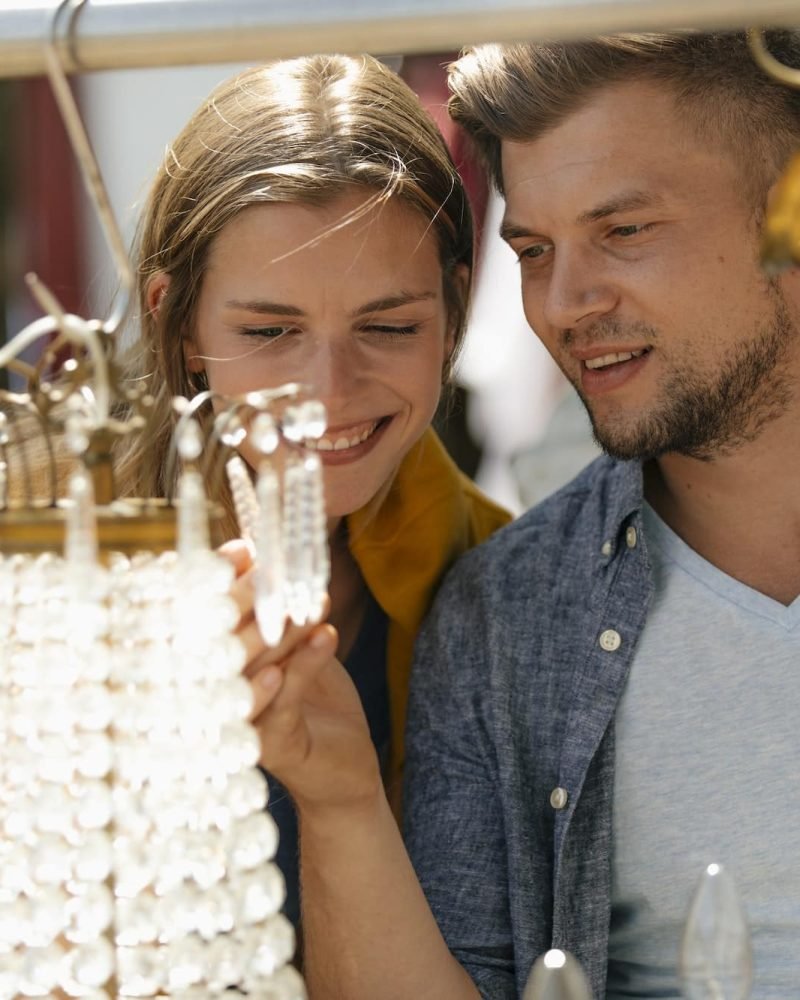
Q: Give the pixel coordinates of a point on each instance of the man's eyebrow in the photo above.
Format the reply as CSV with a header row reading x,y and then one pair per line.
x,y
262,306
511,231
630,202
393,302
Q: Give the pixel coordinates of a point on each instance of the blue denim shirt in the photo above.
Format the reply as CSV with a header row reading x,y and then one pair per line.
x,y
517,676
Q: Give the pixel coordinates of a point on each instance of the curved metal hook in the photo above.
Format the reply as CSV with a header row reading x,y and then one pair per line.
x,y
767,61
89,168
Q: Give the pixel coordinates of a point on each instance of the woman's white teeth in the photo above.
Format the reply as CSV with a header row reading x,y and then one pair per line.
x,y
613,359
341,442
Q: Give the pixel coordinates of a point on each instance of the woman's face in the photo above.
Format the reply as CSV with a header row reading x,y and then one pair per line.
x,y
357,312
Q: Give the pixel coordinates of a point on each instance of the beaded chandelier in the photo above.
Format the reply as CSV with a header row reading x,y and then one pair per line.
x,y
135,846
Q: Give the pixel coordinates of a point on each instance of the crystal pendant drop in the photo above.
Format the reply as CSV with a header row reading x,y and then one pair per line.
x,y
271,580
193,533
297,551
80,545
716,961
244,497
316,535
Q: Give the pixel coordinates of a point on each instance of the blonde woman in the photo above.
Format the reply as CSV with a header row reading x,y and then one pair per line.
x,y
308,224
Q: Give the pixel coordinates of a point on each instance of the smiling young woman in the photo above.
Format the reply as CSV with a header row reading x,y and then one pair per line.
x,y
308,225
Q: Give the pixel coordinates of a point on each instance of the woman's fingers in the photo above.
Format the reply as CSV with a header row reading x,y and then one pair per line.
x,y
265,686
279,694
239,553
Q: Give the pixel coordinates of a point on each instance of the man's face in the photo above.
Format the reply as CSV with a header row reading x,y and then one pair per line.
x,y
637,247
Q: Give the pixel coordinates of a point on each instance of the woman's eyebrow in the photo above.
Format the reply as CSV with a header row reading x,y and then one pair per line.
x,y
263,306
393,301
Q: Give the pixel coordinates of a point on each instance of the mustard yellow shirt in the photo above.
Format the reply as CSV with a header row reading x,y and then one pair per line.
x,y
431,514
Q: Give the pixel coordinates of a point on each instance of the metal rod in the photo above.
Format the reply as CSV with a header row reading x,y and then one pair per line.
x,y
120,34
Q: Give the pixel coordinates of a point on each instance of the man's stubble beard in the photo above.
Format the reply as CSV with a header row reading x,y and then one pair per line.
x,y
706,417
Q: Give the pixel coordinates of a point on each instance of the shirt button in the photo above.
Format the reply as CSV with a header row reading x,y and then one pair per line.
x,y
605,549
559,798
630,536
610,640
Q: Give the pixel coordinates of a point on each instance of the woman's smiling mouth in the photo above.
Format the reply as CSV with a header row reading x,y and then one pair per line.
x,y
347,438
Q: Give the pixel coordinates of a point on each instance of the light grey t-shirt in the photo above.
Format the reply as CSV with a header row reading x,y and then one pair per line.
x,y
708,755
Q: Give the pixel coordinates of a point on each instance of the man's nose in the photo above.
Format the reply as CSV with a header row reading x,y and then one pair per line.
x,y
580,289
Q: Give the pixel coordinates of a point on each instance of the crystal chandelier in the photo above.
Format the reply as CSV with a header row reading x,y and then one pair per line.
x,y
135,847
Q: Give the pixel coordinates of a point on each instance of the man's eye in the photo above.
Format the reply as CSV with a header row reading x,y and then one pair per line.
x,y
632,229
534,252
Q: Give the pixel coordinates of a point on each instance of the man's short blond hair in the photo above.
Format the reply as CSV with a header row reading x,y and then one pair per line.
x,y
519,92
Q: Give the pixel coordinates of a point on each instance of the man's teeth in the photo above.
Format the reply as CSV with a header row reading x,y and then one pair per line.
x,y
613,359
341,442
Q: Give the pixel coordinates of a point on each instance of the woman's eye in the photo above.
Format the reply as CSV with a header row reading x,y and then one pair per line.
x,y
264,332
386,328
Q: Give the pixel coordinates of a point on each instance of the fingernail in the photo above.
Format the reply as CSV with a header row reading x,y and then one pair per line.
x,y
270,678
319,639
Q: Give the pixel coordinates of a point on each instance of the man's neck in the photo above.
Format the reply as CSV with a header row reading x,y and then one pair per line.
x,y
741,512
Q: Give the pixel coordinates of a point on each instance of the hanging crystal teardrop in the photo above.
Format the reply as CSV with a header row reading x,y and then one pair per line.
x,y
244,497
80,543
270,582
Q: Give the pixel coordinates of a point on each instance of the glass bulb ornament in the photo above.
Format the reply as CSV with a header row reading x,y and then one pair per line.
x,y
557,975
716,960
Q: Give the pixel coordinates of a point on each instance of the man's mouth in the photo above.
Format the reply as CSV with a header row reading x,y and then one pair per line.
x,y
607,360
341,439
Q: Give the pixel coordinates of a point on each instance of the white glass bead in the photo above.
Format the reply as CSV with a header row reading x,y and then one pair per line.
x,y
92,858
10,974
137,920
41,970
276,946
252,841
90,911
92,964
93,706
94,807
140,971
50,860
186,963
260,893
214,912
239,747
226,963
246,793
95,756
134,866
47,914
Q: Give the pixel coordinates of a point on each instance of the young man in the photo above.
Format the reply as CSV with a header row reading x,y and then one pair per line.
x,y
605,697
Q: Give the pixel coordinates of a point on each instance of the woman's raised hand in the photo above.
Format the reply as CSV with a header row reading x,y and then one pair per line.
x,y
314,735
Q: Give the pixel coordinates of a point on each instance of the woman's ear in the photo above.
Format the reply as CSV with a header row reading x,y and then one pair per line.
x,y
457,318
156,290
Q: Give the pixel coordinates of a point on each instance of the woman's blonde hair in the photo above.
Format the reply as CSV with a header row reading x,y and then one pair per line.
x,y
299,131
